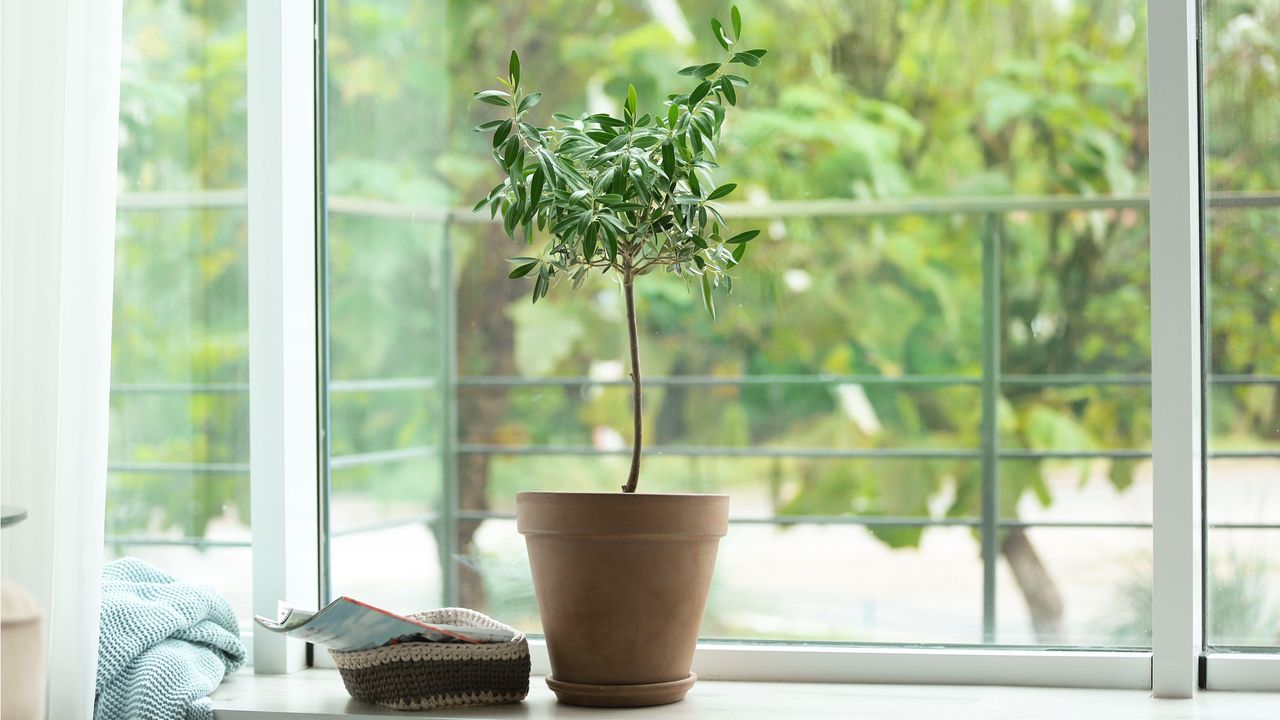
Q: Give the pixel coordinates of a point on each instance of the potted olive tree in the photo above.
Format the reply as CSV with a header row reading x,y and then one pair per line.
x,y
621,578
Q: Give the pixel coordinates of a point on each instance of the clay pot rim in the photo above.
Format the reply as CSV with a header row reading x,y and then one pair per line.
x,y
615,493
605,514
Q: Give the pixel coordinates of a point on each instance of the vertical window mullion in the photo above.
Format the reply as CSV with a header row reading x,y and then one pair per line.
x,y
324,563
1176,401
283,412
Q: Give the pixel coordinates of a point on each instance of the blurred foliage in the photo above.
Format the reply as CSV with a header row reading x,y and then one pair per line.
x,y
859,101
1240,598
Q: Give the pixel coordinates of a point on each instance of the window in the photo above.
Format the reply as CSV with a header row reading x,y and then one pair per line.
x,y
1242,175
844,394
929,394
178,488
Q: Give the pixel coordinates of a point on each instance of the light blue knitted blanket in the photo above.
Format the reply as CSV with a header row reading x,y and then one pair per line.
x,y
165,645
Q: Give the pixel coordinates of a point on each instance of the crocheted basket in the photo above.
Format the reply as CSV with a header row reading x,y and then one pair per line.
x,y
431,675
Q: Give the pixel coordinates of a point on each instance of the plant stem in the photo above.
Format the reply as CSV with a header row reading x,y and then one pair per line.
x,y
628,288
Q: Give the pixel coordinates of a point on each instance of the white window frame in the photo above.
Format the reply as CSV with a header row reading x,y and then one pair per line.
x,y
283,65
283,407
1177,456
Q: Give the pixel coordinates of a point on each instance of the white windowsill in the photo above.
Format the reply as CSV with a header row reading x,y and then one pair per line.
x,y
319,695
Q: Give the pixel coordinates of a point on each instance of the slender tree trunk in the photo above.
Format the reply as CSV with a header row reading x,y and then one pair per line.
x,y
628,288
486,346
1044,601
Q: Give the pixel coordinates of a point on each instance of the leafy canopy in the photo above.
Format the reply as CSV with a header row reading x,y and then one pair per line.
x,y
625,194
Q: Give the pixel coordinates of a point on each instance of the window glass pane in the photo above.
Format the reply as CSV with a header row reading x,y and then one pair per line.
x,y
388,259
953,214
178,483
1240,84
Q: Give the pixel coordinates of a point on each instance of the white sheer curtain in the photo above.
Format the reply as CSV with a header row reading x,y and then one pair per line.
x,y
60,72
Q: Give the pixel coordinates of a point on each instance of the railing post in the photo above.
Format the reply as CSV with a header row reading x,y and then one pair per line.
x,y
447,387
990,422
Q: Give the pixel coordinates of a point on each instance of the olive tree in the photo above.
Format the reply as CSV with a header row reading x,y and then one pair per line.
x,y
623,195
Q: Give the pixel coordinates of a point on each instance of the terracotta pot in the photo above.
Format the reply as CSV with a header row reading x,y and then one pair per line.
x,y
622,582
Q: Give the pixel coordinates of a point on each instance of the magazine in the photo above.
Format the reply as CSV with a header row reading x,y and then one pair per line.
x,y
347,624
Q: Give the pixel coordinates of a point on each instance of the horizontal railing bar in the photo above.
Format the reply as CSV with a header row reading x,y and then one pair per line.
x,y
381,385
709,451
197,468
1074,525
831,207
422,383
1244,526
718,380
1255,199
390,524
834,207
1245,379
865,521
861,520
175,542
780,520
1077,379
386,210
874,453
339,462
179,388
894,522
380,457
875,521
1123,454
183,200
822,379
788,520
1244,454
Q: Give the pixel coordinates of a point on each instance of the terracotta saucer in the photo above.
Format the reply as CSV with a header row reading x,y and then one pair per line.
x,y
621,695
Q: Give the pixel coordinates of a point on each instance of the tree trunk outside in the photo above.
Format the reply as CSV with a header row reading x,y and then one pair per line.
x,y
485,345
1044,600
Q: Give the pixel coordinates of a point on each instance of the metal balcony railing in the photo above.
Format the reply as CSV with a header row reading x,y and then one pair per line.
x,y
989,383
